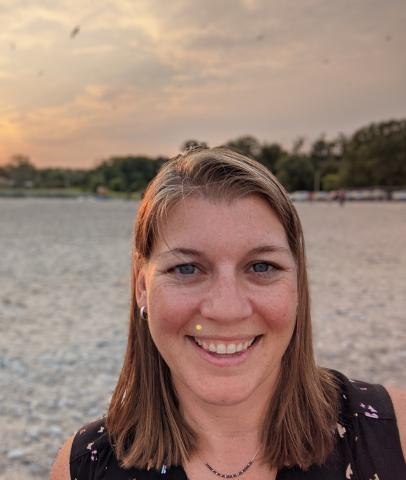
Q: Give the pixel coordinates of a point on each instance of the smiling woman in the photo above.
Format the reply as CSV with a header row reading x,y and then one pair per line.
x,y
219,376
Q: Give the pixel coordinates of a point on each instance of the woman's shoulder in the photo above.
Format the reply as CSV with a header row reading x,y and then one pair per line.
x,y
370,400
368,429
60,468
90,439
92,456
398,397
79,451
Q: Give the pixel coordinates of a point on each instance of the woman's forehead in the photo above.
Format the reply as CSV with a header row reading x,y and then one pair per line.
x,y
248,222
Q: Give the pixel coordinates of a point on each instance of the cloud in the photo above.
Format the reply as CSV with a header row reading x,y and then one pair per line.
x,y
147,74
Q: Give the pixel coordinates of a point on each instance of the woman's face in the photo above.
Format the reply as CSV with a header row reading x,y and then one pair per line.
x,y
221,294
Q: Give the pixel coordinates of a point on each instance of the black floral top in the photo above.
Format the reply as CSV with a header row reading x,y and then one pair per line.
x,y
367,448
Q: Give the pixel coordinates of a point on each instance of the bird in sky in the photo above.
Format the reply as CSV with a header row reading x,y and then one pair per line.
x,y
75,31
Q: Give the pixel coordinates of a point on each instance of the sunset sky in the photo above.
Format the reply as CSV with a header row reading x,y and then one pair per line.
x,y
83,80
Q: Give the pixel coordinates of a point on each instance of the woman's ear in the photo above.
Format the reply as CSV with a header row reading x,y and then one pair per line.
x,y
140,281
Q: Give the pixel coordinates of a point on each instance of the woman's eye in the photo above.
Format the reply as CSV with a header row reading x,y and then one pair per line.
x,y
262,267
185,269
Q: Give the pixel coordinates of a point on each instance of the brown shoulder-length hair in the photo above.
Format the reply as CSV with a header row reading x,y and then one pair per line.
x,y
144,421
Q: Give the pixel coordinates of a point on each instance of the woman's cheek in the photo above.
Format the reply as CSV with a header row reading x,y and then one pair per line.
x,y
170,310
281,310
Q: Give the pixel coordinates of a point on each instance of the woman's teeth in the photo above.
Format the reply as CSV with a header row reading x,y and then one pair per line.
x,y
224,348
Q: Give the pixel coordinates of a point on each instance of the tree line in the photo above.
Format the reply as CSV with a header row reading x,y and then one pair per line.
x,y
374,156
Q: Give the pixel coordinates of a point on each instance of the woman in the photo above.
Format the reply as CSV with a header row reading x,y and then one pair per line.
x,y
219,377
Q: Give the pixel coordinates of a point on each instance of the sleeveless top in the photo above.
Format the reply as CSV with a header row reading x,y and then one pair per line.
x,y
367,445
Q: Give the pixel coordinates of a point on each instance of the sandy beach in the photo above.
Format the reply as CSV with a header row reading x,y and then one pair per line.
x,y
64,295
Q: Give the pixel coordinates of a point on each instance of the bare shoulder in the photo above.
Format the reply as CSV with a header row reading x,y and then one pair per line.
x,y
60,469
398,397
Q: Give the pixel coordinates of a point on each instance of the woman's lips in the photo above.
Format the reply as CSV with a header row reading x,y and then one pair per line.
x,y
223,346
222,353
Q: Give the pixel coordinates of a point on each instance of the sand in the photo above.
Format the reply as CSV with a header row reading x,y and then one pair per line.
x,y
64,292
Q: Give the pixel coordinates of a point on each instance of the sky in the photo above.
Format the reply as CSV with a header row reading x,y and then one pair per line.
x,y
81,81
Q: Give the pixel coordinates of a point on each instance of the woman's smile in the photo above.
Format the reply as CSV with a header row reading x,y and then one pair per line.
x,y
225,353
223,346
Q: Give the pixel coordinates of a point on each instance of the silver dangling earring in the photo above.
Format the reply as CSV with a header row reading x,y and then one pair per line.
x,y
143,313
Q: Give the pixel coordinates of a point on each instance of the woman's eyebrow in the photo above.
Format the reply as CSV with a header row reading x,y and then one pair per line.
x,y
181,251
269,249
255,251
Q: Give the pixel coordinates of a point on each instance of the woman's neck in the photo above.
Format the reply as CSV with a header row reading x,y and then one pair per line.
x,y
225,430
228,440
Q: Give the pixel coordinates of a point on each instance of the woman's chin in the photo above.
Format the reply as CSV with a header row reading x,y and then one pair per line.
x,y
223,393
224,400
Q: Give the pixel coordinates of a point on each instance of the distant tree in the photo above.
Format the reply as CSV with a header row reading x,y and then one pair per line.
x,y
269,155
295,172
95,180
376,155
3,172
326,158
247,145
78,178
331,181
117,184
320,152
21,171
52,178
298,145
127,174
61,178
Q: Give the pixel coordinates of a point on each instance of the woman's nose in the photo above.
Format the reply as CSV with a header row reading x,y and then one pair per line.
x,y
226,300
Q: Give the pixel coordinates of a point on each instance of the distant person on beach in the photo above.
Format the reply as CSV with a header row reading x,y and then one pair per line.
x,y
341,197
219,377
